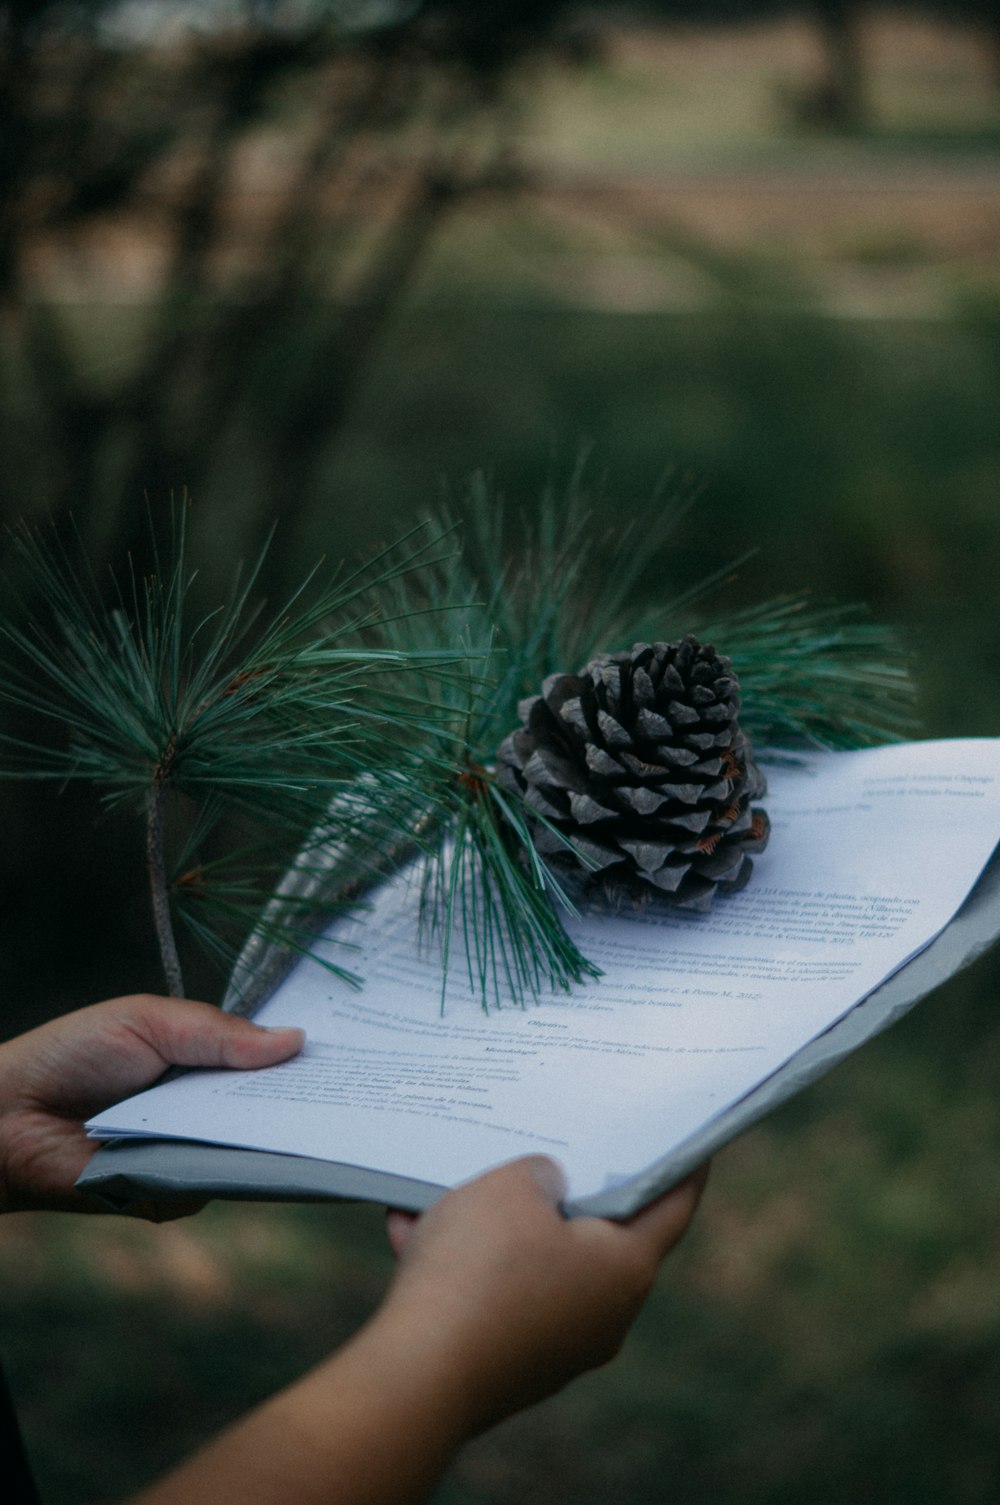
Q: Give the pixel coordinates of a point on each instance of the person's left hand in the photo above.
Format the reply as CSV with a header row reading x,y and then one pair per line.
x,y
57,1076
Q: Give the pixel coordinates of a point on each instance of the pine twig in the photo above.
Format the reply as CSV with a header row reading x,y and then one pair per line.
x,y
157,868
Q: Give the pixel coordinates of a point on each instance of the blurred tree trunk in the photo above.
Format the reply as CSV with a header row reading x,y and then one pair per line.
x,y
97,141
839,100
991,19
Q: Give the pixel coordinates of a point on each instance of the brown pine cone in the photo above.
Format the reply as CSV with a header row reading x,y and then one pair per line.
x,y
640,761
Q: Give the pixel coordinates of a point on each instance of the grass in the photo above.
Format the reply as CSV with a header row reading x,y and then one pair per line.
x,y
161,1337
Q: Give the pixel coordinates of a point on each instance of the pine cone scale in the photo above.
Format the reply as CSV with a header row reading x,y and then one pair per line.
x,y
587,811
679,714
612,731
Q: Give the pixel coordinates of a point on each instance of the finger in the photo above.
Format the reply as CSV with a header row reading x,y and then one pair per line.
x,y
546,1174
258,1044
185,1033
399,1226
661,1225
531,1175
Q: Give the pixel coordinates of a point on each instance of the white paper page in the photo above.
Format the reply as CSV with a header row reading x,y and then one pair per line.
x,y
871,854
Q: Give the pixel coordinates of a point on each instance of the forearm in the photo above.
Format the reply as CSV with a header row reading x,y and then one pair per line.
x,y
376,1424
498,1302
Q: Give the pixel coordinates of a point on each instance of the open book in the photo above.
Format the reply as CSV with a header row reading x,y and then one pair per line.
x,y
700,1024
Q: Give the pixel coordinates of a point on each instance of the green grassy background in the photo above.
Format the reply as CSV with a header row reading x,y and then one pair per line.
x,y
829,363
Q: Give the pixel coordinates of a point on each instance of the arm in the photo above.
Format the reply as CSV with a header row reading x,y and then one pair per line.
x,y
498,1302
55,1077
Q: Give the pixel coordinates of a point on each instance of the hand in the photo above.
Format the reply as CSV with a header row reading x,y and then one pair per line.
x,y
57,1076
497,1302
508,1299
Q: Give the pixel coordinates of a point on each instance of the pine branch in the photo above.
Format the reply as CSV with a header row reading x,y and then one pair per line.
x,y
809,677
263,722
159,885
304,751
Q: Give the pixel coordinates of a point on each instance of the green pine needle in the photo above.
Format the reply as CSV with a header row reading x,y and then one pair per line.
x,y
820,677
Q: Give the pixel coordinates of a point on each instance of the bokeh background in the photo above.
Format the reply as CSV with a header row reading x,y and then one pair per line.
x,y
316,262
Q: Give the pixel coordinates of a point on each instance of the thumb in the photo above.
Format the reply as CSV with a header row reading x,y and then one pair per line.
x,y
547,1174
661,1224
197,1034
245,1044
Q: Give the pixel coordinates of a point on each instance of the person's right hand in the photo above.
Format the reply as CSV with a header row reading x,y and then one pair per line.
x,y
506,1301
497,1302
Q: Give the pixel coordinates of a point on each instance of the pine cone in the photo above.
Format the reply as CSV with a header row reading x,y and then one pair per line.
x,y
639,759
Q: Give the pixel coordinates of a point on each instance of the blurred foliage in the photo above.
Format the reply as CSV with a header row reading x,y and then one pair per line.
x,y
253,195
311,275
385,130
